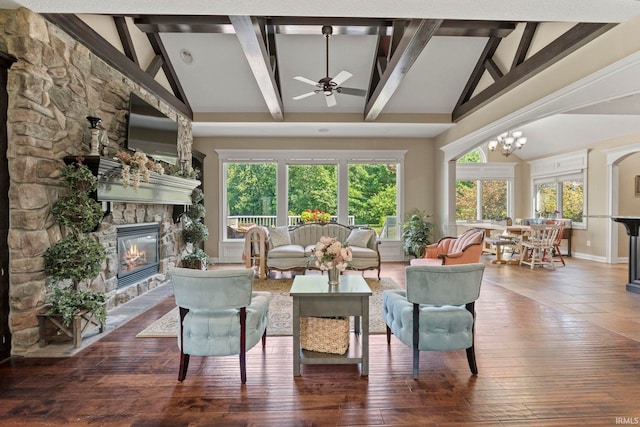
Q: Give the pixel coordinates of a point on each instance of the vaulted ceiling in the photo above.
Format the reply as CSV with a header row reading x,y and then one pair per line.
x,y
236,69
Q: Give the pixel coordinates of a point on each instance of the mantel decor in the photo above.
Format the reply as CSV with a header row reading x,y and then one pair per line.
x,y
161,189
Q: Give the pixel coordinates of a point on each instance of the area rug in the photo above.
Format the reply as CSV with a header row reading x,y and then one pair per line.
x,y
280,309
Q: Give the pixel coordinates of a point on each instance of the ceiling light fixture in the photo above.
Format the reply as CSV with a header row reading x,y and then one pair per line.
x,y
186,56
508,142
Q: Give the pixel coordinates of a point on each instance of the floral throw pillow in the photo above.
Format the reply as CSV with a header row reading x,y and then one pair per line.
x,y
359,237
279,236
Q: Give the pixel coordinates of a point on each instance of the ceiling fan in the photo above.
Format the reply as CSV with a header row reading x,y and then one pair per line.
x,y
329,85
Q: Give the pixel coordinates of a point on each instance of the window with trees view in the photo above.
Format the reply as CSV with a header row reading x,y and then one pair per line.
x,y
482,192
560,196
368,190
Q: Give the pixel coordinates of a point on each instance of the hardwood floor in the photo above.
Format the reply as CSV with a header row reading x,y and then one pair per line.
x,y
554,348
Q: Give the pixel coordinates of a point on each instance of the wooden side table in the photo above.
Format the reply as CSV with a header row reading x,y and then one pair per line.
x,y
313,296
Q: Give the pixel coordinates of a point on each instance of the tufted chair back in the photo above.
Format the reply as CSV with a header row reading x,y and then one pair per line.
x,y
436,312
220,315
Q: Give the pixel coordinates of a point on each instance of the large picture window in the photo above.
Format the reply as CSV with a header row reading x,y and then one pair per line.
x,y
274,188
483,190
559,187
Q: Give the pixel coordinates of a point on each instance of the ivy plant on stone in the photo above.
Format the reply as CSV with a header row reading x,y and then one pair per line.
x,y
77,257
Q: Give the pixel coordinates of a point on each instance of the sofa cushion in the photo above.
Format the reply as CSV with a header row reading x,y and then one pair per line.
x,y
359,252
359,237
279,236
465,240
287,251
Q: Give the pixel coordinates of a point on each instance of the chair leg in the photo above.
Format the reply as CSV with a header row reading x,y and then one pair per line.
x,y
184,364
557,247
388,335
264,338
416,340
184,358
471,358
243,345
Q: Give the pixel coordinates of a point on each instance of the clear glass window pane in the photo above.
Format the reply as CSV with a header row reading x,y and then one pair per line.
x,y
466,200
546,199
251,197
573,200
494,199
312,187
373,193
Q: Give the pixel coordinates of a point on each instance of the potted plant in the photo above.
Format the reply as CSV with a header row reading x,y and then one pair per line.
x,y
194,233
416,233
75,258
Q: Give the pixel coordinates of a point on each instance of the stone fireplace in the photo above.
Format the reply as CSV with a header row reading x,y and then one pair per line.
x,y
138,252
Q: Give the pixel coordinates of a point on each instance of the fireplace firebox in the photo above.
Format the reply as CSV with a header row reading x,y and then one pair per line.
x,y
138,252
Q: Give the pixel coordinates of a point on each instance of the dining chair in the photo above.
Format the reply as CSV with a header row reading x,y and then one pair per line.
x,y
558,241
220,314
539,243
436,311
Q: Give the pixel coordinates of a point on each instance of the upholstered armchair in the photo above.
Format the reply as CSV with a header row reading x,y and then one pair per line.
x,y
463,249
436,311
220,315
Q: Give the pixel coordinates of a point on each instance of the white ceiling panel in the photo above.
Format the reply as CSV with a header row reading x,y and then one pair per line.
x,y
436,80
219,80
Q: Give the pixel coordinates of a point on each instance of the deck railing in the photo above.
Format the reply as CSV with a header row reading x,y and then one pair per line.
x,y
246,221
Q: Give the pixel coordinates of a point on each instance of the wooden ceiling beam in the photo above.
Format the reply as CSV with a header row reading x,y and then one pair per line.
x,y
167,67
415,38
525,43
84,34
253,45
125,38
570,41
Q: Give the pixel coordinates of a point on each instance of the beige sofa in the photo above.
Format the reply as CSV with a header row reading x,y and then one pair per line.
x,y
291,248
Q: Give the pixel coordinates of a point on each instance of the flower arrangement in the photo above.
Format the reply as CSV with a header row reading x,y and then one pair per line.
x,y
331,253
315,215
140,165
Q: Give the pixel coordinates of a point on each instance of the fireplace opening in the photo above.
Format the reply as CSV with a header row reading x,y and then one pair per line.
x,y
138,252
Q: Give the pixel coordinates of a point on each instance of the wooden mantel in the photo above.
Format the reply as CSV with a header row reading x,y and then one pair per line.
x,y
161,189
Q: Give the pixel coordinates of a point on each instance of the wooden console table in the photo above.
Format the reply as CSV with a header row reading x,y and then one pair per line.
x,y
632,224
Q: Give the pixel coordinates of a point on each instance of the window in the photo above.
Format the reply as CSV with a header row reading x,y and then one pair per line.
x,y
274,188
559,184
312,187
483,190
373,195
561,196
250,190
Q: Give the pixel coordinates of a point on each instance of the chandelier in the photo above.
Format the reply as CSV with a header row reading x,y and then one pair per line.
x,y
508,142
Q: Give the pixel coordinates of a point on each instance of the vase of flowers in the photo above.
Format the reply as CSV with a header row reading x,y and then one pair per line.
x,y
332,256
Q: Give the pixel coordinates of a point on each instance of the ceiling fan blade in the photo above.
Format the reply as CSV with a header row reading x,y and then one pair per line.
x,y
331,100
341,77
305,80
304,95
352,91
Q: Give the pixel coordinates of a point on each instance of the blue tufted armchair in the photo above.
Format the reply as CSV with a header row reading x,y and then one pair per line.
x,y
436,312
220,315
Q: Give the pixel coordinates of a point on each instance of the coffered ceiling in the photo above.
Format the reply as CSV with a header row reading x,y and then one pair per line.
x,y
423,65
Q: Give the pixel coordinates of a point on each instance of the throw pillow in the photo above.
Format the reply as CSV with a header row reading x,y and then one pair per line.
x,y
359,237
279,236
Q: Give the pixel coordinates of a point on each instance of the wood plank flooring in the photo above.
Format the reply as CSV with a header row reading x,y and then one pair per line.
x,y
554,348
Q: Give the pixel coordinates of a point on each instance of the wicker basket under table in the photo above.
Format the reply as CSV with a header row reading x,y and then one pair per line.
x,y
324,334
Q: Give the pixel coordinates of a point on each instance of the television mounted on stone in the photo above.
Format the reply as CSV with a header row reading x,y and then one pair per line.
x,y
151,131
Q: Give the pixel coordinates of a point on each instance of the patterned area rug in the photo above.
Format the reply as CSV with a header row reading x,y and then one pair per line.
x,y
280,309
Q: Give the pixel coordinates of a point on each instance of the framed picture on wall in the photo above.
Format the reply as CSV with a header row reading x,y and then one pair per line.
x,y
637,185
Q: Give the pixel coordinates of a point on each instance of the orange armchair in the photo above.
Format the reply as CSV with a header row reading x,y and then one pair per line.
x,y
464,249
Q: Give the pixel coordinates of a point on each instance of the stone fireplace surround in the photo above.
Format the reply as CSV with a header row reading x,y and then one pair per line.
x,y
53,86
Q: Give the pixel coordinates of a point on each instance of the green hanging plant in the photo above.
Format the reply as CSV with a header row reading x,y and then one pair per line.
x,y
195,232
75,258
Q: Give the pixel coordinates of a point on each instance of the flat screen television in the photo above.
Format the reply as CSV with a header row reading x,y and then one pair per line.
x,y
151,132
